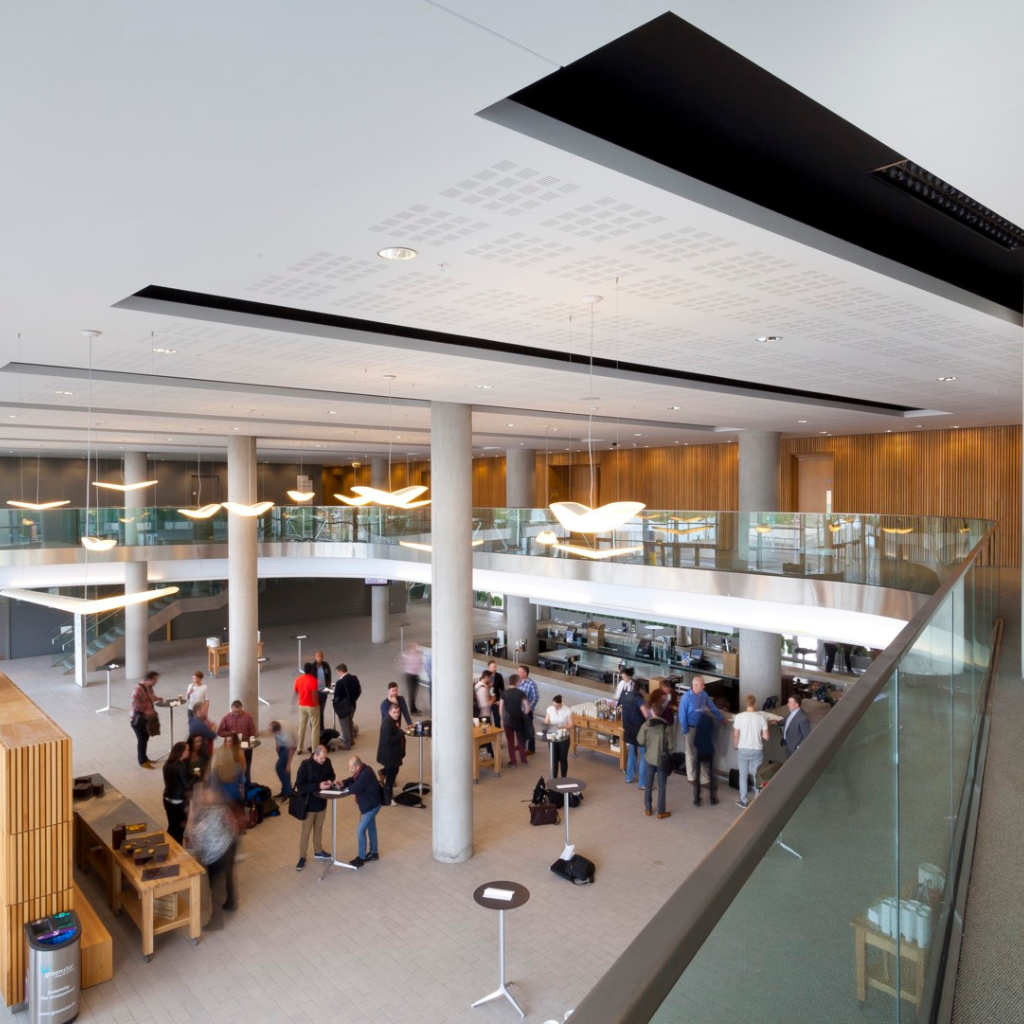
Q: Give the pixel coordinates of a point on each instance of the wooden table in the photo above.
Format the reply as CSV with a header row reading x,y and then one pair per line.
x,y
604,726
913,962
218,657
125,889
482,735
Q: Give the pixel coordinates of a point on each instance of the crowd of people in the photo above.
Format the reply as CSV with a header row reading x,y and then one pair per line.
x,y
208,776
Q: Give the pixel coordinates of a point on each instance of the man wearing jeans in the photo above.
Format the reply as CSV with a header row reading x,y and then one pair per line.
x,y
749,731
363,785
528,688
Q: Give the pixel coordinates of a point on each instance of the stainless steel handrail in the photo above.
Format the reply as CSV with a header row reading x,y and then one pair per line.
x,y
655,959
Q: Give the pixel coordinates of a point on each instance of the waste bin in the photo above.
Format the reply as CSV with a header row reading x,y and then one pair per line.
x,y
53,973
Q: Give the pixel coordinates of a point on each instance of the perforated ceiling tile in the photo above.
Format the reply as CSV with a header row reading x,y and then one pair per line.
x,y
805,283
371,302
420,224
665,288
282,287
180,331
508,188
843,298
758,316
683,245
331,266
745,267
520,250
729,303
560,311
499,327
495,299
422,284
600,271
434,316
604,219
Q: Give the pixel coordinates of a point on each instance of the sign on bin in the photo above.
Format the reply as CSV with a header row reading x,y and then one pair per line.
x,y
53,977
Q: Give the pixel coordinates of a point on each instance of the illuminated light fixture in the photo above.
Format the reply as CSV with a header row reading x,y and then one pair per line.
x,y
301,495
199,513
691,519
97,543
417,546
835,527
402,498
36,506
125,488
84,606
945,378
897,529
577,518
679,533
166,351
547,537
397,252
597,553
129,519
768,337
762,529
250,511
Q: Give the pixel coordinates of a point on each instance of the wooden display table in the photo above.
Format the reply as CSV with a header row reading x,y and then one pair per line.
x,y
482,735
125,889
913,962
602,726
217,657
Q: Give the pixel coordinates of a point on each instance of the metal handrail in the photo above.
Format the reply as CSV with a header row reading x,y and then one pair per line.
x,y
656,958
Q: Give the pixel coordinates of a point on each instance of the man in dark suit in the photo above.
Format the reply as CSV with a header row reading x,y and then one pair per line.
x,y
347,691
796,727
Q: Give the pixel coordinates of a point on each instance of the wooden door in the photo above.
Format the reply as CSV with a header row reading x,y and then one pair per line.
x,y
814,482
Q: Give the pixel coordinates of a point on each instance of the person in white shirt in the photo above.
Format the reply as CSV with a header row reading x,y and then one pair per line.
x,y
749,731
197,693
555,718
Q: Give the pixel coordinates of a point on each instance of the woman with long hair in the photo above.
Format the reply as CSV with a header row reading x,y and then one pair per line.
x,y
176,791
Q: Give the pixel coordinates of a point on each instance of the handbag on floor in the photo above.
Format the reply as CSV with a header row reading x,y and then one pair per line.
x,y
578,869
544,814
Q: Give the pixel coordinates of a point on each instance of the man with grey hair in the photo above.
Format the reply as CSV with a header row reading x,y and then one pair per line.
x,y
692,707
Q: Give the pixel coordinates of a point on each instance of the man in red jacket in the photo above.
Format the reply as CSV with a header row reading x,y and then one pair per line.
x,y
309,707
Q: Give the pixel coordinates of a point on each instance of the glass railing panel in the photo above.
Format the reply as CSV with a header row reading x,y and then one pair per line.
x,y
786,947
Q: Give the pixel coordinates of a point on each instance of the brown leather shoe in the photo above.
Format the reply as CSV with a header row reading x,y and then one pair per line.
x,y
648,813
665,814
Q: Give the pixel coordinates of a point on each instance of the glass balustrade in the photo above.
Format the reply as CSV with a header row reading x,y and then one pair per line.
x,y
907,553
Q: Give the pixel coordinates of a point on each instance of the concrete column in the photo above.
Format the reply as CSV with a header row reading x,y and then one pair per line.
x,y
521,624
451,439
520,476
759,471
760,653
243,597
379,472
81,652
380,615
136,617
760,665
136,621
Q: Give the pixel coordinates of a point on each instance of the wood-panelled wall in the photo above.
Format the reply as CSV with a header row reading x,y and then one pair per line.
x,y
35,827
974,472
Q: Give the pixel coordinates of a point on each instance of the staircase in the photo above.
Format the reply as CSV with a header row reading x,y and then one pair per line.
x,y
105,633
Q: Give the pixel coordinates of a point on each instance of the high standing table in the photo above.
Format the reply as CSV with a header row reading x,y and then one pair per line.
x,y
566,787
108,668
332,796
515,895
418,787
172,703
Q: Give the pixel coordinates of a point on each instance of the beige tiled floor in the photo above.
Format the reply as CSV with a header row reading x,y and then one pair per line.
x,y
401,940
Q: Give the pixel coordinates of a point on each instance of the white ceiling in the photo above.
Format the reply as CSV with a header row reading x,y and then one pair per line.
x,y
269,156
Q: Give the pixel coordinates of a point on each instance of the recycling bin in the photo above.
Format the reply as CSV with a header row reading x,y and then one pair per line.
x,y
53,968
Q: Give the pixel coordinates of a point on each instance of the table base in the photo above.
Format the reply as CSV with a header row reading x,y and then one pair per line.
x,y
497,994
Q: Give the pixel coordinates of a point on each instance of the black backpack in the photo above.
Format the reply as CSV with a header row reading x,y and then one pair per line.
x,y
578,869
540,792
558,799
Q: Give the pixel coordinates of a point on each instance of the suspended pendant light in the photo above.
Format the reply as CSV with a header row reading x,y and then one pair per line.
x,y
297,495
256,509
37,505
402,498
125,488
91,543
203,511
84,606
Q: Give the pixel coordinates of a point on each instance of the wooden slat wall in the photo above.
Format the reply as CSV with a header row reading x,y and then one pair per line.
x,y
974,472
35,827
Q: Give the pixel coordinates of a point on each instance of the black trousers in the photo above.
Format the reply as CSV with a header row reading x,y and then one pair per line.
x,y
705,759
412,687
177,816
224,865
560,749
141,731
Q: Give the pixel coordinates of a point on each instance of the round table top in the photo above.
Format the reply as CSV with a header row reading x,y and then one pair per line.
x,y
566,785
247,745
170,702
520,894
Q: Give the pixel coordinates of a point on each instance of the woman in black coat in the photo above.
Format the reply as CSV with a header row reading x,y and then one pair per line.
x,y
176,791
391,745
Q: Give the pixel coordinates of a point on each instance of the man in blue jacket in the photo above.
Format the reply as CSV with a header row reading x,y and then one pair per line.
x,y
363,785
692,707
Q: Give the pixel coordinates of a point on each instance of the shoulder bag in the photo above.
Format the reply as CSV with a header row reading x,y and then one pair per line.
x,y
298,805
544,814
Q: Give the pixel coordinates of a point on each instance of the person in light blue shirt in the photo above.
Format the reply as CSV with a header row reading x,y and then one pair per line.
x,y
692,707
529,690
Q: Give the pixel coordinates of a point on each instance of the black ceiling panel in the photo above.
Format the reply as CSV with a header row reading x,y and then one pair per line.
x,y
673,94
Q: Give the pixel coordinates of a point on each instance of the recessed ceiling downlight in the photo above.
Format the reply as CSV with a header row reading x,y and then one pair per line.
x,y
397,252
945,378
768,337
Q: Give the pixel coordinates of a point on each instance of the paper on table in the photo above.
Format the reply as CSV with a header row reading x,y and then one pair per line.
x,y
566,785
499,894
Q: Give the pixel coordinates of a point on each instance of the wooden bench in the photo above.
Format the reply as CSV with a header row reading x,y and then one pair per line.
x,y
97,946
